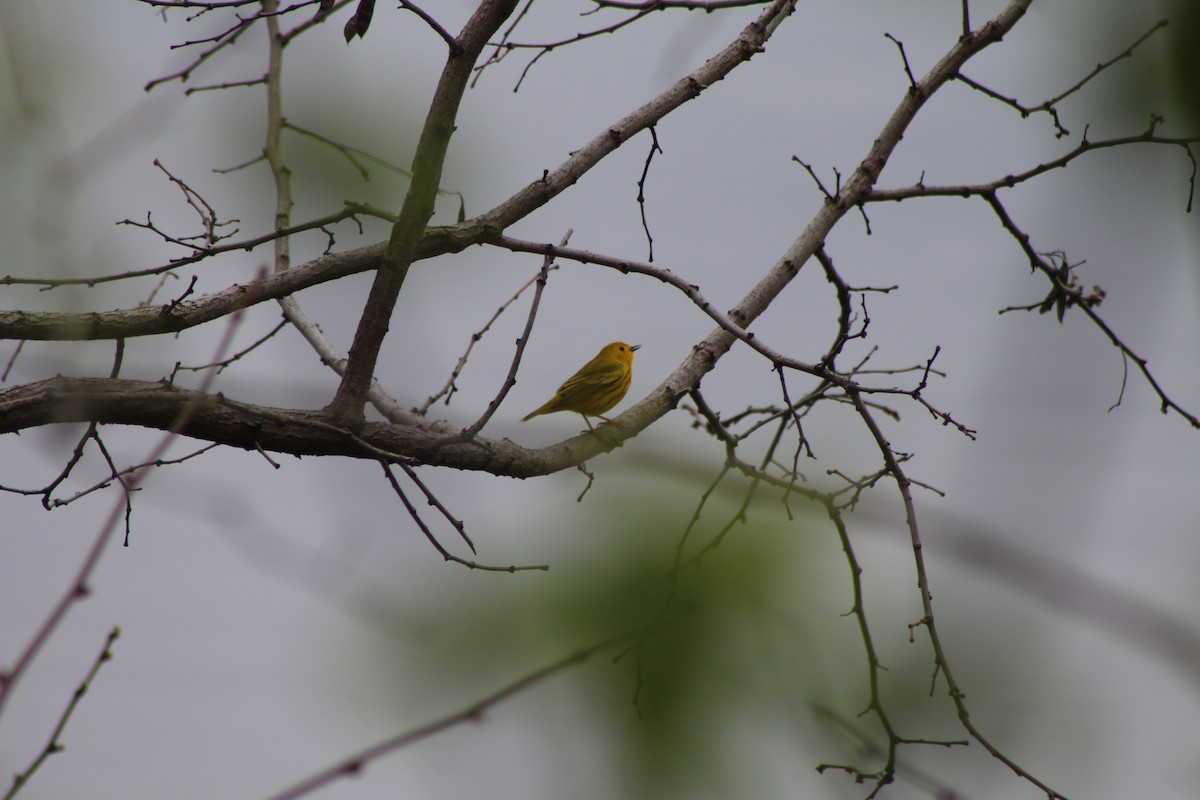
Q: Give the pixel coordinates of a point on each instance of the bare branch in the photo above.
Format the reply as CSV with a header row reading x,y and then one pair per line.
x,y
641,195
199,253
418,207
1008,181
912,82
511,380
156,405
446,554
1072,295
433,501
1050,106
54,745
662,5
432,23
748,43
904,485
354,764
78,589
449,388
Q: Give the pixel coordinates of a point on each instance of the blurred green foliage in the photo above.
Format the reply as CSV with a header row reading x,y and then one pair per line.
x,y
1183,64
735,678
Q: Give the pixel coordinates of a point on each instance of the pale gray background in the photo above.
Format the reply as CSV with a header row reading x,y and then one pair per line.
x,y
261,635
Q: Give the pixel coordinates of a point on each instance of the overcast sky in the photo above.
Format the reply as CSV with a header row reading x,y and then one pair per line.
x,y
276,620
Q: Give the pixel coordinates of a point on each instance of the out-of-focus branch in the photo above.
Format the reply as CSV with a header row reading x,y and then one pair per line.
x,y
181,418
54,745
354,764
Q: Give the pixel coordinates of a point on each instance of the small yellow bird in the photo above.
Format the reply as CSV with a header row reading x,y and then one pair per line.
x,y
597,386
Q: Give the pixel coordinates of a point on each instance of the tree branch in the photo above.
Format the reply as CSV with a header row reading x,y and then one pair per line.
x,y
348,404
216,418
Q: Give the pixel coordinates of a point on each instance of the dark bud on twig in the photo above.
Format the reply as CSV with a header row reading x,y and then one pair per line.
x,y
358,24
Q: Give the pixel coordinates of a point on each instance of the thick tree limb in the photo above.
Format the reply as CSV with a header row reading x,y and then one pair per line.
x,y
749,42
349,402
219,419
853,193
149,321
172,318
233,423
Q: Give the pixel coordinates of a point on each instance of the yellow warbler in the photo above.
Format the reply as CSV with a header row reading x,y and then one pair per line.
x,y
598,386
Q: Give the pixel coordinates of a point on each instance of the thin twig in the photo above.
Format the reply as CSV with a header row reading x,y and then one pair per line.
x,y
78,589
11,361
353,766
446,554
511,380
433,23
641,195
450,387
1050,106
231,359
54,745
1039,262
927,621
433,501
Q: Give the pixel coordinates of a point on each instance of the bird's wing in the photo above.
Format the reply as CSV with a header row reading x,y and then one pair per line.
x,y
591,377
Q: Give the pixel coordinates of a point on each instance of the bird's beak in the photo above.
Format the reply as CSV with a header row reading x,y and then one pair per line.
x,y
633,347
